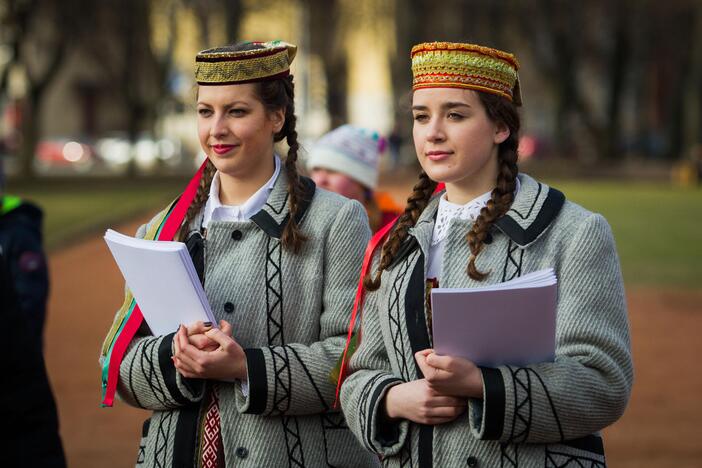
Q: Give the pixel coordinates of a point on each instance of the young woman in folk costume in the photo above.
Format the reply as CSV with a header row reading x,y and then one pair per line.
x,y
491,224
279,260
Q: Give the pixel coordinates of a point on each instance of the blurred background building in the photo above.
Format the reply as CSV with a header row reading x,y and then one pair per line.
x,y
107,87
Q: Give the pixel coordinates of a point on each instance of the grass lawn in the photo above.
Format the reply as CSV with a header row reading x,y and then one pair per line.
x,y
658,228
73,209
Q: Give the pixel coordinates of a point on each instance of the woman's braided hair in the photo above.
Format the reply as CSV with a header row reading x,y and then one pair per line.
x,y
274,94
498,109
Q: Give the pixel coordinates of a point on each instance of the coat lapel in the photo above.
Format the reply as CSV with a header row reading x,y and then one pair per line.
x,y
534,209
274,215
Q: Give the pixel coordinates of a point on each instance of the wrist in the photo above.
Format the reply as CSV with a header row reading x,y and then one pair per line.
x,y
476,385
388,406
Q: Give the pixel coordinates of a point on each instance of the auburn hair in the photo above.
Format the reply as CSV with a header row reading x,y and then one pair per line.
x,y
275,94
499,110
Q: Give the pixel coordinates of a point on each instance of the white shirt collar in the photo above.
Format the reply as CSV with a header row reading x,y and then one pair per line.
x,y
216,211
448,210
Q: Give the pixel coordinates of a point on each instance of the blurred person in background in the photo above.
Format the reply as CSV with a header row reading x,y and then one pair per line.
x,y
27,404
346,161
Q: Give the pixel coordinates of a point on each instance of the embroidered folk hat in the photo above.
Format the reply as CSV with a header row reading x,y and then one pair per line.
x,y
224,66
470,66
351,150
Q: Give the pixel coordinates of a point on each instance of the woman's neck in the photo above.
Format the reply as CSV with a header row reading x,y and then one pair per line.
x,y
460,195
236,189
471,187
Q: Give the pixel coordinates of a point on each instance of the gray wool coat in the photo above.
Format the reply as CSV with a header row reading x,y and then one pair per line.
x,y
290,313
541,415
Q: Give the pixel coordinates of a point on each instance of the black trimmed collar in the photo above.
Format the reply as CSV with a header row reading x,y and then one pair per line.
x,y
534,209
274,215
532,212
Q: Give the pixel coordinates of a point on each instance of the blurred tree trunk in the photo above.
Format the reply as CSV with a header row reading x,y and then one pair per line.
x,y
48,27
618,66
143,79
410,29
681,58
233,11
561,55
31,108
15,23
325,42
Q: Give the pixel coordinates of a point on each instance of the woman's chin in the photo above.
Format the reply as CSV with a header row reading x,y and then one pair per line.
x,y
440,175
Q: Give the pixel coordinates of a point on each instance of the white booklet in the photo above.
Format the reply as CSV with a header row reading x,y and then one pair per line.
x,y
506,323
163,280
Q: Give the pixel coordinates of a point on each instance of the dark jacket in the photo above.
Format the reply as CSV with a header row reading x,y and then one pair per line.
x,y
21,246
26,403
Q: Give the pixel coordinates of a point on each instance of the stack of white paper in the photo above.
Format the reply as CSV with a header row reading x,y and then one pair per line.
x,y
506,323
163,280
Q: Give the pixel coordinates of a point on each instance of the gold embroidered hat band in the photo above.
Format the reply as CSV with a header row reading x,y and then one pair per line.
x,y
220,66
456,65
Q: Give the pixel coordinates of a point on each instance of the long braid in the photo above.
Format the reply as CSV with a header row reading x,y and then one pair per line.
x,y
417,201
292,237
498,110
203,191
500,200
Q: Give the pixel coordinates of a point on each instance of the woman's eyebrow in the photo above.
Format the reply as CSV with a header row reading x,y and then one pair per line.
x,y
226,106
445,105
452,105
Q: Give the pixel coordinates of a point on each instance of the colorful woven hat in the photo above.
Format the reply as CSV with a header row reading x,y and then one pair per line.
x,y
222,66
456,65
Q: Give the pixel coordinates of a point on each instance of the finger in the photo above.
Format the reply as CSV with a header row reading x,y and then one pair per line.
x,y
180,338
226,327
422,363
202,342
424,352
431,374
192,352
176,346
198,327
186,366
444,411
220,337
450,363
447,401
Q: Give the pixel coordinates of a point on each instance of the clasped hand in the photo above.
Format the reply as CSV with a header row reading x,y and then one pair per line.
x,y
441,396
204,352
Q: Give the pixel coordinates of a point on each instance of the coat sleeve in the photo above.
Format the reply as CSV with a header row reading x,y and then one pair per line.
x,y
30,276
588,386
147,377
364,390
294,379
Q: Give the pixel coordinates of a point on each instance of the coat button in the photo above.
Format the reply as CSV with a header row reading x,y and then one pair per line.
x,y
237,235
228,307
241,452
472,461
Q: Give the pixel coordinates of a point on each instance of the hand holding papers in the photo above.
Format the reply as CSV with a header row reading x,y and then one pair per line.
x,y
506,323
163,280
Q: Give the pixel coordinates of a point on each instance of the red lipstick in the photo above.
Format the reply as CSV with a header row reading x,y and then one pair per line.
x,y
222,149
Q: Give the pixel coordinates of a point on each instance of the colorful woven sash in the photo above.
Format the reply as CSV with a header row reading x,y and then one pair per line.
x,y
129,317
354,340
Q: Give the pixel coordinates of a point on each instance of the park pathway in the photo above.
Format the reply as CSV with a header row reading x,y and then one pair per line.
x,y
659,429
